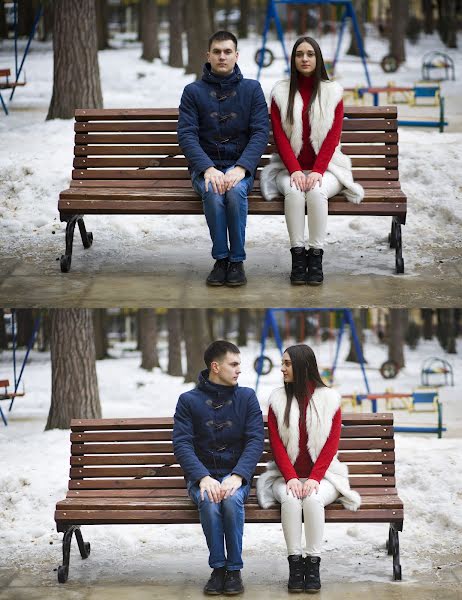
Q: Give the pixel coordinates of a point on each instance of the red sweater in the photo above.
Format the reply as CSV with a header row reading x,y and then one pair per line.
x,y
304,466
307,159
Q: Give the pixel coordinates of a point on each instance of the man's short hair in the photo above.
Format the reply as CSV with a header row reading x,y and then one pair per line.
x,y
222,36
217,351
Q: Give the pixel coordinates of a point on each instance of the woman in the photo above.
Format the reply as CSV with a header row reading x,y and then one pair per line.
x,y
307,118
304,423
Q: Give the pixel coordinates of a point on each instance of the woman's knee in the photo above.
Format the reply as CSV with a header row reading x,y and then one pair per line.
x,y
312,502
317,195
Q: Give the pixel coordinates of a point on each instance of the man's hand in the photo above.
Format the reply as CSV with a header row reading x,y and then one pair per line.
x,y
295,488
230,485
309,487
298,180
216,178
234,176
312,179
210,486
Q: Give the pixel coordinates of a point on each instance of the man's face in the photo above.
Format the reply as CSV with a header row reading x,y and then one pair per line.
x,y
222,57
227,371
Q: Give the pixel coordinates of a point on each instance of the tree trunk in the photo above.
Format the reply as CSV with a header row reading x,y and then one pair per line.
x,y
3,338
427,10
243,25
149,30
198,33
446,330
174,342
3,25
148,339
100,329
243,327
101,24
26,14
175,17
212,9
397,318
448,22
399,18
25,326
76,82
74,384
46,29
227,323
196,339
352,354
359,8
427,317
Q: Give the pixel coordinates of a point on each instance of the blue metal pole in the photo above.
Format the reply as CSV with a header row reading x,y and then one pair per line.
x,y
13,332
280,33
340,38
359,353
339,342
269,16
15,17
5,422
32,33
29,348
264,335
3,104
359,39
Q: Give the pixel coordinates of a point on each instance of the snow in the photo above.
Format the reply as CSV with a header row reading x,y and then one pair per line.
x,y
36,161
35,464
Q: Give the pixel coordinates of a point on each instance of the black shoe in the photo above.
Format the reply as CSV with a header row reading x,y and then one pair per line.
x,y
298,274
217,275
233,583
296,577
235,275
312,579
215,584
314,274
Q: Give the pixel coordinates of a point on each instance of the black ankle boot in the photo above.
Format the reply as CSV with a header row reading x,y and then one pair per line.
x,y
297,275
314,274
296,569
236,274
217,275
215,584
312,579
233,583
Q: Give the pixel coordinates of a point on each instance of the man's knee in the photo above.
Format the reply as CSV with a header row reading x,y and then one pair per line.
x,y
237,195
207,506
233,502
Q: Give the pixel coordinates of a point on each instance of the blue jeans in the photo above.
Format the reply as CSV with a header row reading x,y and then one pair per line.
x,y
222,523
226,216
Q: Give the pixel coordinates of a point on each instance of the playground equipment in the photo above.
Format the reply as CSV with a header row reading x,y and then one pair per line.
x,y
434,60
436,368
263,364
264,56
7,395
12,85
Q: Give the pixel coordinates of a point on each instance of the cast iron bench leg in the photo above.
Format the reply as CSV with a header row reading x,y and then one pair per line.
x,y
84,547
393,549
395,241
87,240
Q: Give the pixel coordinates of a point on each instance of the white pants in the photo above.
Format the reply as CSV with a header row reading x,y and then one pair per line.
x,y
316,201
313,514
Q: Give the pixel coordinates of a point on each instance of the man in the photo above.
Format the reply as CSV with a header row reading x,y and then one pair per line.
x,y
223,131
218,439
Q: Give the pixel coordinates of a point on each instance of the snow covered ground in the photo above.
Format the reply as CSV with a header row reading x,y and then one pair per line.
x,y
34,474
36,160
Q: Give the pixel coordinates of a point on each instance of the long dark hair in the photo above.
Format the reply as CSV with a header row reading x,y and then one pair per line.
x,y
305,370
320,74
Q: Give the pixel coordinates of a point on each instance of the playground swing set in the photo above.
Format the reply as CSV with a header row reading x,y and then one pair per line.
x,y
11,395
11,84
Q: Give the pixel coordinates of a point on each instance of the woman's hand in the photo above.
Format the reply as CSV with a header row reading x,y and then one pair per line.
x,y
298,179
295,487
312,179
310,486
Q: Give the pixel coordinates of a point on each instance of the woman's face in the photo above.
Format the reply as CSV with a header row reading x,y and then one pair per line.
x,y
286,368
305,59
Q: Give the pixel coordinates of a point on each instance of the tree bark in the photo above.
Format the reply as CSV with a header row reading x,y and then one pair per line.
x,y
359,8
198,33
26,14
243,327
427,317
174,342
3,338
196,339
148,339
243,25
76,82
447,329
352,354
212,9
74,384
448,22
429,22
101,24
149,30
399,17
100,329
3,25
397,318
175,17
25,326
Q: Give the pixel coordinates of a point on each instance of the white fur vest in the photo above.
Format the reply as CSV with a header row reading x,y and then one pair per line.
x,y
322,113
321,409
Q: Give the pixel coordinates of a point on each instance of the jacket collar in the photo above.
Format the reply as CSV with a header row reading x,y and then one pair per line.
x,y
214,390
231,79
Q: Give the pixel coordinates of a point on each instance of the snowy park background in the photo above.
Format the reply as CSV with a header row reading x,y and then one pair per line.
x,y
36,162
35,464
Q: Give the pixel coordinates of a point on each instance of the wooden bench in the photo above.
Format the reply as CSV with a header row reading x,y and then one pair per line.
x,y
123,471
129,162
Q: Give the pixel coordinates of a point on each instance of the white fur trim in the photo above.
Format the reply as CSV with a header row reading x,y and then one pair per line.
x,y
321,409
322,113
